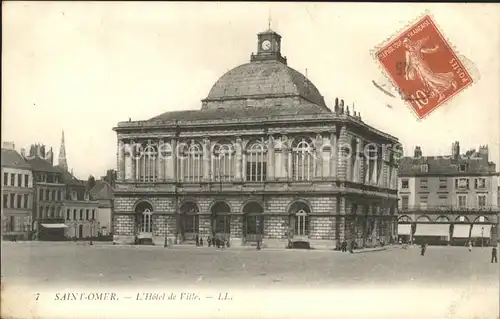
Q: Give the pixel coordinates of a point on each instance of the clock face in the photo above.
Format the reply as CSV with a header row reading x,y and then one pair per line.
x,y
266,45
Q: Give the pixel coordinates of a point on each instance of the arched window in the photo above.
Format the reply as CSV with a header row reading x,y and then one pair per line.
x,y
256,162
462,219
144,217
300,218
442,219
191,162
221,219
481,219
189,220
224,162
253,225
404,219
423,219
302,160
147,163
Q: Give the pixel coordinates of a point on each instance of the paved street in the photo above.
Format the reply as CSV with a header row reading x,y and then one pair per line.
x,y
41,263
448,282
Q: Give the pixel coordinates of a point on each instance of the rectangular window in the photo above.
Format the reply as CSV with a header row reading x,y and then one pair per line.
x,y
52,211
405,184
19,201
462,168
443,183
5,179
5,200
442,201
462,201
480,183
74,214
12,223
26,201
404,202
12,179
12,200
424,168
47,194
93,213
423,202
40,194
423,183
26,180
81,214
87,214
256,171
481,200
40,212
68,214
462,183
53,193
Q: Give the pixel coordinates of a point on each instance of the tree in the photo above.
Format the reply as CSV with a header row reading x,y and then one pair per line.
x,y
91,182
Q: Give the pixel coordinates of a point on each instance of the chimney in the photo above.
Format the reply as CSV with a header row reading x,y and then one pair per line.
x,y
9,145
347,111
23,152
483,152
341,106
336,107
418,152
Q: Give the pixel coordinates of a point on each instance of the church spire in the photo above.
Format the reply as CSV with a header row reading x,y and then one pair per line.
x,y
62,154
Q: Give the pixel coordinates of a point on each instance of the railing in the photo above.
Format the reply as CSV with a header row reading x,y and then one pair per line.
x,y
441,208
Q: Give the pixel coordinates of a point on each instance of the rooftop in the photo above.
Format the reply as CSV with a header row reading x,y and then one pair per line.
x,y
11,158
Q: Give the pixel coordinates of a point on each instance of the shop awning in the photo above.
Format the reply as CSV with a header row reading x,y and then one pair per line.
x,y
479,231
54,225
441,230
404,229
461,231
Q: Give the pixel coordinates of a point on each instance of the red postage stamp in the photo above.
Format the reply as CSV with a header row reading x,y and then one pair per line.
x,y
423,67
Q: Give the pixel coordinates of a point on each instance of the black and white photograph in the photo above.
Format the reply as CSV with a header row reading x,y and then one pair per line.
x,y
250,160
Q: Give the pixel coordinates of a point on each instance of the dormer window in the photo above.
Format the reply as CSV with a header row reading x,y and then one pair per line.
x,y
87,196
74,195
424,168
462,168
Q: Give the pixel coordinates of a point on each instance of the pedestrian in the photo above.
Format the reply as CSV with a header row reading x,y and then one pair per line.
x,y
422,249
197,240
209,241
351,247
214,241
470,246
344,246
494,254
201,241
217,242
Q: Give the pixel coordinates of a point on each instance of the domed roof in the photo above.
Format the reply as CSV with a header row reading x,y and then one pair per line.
x,y
264,79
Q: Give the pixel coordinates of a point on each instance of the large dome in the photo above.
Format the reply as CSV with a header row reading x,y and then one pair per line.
x,y
264,79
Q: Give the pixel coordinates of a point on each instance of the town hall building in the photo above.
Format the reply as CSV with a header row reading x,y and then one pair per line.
x,y
264,159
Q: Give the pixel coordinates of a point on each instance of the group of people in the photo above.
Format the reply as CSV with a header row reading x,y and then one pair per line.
x,y
212,241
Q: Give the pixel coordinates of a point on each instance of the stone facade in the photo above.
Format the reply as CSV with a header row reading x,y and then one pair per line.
x,y
263,160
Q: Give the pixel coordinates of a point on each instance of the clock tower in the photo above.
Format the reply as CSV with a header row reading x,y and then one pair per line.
x,y
268,47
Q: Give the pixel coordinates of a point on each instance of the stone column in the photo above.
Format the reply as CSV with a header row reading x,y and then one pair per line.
x,y
318,156
357,160
207,155
362,168
270,158
342,141
375,168
129,165
238,163
333,154
121,161
288,158
279,159
160,161
350,175
171,162
135,160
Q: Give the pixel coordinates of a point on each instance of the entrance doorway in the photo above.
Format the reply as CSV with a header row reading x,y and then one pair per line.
x,y
221,220
80,231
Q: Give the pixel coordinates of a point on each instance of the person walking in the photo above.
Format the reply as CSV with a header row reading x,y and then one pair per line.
x,y
494,254
201,241
470,246
197,240
422,250
209,241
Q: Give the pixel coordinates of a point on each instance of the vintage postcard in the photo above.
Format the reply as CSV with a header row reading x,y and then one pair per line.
x,y
250,160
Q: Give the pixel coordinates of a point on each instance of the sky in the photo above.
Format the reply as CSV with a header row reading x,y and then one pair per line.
x,y
82,67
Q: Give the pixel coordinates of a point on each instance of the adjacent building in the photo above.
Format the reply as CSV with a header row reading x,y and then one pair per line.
x,y
448,199
17,194
264,159
103,193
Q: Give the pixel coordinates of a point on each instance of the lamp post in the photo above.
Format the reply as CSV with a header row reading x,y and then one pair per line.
x,y
91,231
482,235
